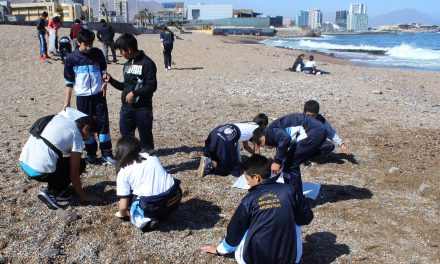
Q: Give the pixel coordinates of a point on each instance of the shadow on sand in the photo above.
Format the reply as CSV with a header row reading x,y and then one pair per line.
x,y
170,151
330,193
338,158
321,247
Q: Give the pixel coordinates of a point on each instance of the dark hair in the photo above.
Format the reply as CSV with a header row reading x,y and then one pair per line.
x,y
257,164
103,21
164,28
77,21
87,120
127,152
301,55
86,36
311,57
82,18
257,134
311,106
261,120
44,14
126,41
57,19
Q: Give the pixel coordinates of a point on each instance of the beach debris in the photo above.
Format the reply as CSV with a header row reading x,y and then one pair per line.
x,y
66,216
377,92
393,170
185,233
51,252
424,188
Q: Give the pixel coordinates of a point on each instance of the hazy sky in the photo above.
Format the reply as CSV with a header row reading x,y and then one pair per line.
x,y
288,8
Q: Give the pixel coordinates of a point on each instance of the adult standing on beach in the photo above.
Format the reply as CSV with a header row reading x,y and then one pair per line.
x,y
76,27
167,42
106,35
41,29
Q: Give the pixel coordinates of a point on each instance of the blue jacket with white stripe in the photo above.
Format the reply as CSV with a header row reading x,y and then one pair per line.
x,y
266,219
287,130
83,72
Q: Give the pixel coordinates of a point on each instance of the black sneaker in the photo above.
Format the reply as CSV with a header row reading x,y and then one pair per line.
x,y
149,226
49,200
64,196
93,160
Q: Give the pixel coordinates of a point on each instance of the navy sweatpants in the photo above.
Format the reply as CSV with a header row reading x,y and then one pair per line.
x,y
167,56
298,153
221,146
96,105
142,119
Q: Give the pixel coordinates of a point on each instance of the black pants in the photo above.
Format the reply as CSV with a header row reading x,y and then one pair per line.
x,y
221,146
59,180
142,119
65,49
96,105
299,153
167,56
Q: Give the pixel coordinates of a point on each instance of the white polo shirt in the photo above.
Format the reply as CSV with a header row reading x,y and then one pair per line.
x,y
246,130
145,178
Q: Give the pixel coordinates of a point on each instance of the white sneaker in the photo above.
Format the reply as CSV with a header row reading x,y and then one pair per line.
x,y
169,67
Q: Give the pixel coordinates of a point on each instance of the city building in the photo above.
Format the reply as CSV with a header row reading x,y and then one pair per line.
x,y
302,19
341,19
287,22
327,27
240,13
121,9
208,12
5,9
315,19
174,11
276,21
357,19
70,9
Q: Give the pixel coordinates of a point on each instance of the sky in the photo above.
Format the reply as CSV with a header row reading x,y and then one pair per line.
x,y
289,8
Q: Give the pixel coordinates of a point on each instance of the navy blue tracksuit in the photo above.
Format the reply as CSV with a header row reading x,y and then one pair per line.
x,y
296,138
221,146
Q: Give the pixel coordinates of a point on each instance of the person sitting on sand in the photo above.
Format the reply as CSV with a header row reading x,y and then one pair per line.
x,y
298,65
311,108
221,154
310,67
42,158
147,193
264,228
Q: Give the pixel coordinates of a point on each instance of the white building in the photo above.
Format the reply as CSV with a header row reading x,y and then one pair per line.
x,y
315,18
121,9
357,19
208,12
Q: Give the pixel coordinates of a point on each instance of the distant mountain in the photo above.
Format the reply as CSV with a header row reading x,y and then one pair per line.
x,y
403,16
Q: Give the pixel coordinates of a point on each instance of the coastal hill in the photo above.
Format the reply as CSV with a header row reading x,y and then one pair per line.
x,y
403,16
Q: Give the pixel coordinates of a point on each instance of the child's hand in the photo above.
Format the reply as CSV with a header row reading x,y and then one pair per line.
x,y
346,149
275,168
209,250
106,77
129,98
122,217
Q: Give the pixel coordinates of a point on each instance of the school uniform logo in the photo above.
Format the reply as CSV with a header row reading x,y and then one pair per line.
x,y
133,69
227,132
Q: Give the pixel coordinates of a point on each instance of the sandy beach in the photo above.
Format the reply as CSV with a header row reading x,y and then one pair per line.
x,y
365,213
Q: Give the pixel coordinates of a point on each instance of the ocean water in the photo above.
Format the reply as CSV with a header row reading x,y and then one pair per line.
x,y
415,51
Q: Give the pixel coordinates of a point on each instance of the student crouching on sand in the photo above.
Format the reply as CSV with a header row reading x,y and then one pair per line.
x,y
310,67
147,193
298,65
221,154
296,138
83,72
263,227
42,158
137,91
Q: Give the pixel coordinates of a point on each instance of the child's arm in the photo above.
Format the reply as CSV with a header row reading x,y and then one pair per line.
x,y
69,75
248,148
302,211
124,204
150,81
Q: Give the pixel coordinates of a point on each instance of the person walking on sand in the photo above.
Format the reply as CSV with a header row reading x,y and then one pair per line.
x,y
42,157
76,27
167,42
41,31
139,85
105,35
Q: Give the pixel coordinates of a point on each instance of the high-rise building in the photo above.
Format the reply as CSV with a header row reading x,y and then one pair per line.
x,y
357,19
302,18
341,18
121,9
315,18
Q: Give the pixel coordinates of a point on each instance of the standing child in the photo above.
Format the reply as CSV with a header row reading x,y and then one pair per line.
x,y
263,228
41,29
143,182
296,138
167,42
221,154
83,73
137,91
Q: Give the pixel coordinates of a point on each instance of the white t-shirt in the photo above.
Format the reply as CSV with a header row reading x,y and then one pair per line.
x,y
310,64
246,130
63,134
146,178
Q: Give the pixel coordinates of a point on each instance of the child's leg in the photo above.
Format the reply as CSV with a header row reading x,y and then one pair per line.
x,y
144,124
127,124
84,104
105,144
222,146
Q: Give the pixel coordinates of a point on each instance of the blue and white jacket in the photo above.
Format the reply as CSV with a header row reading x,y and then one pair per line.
x,y
83,72
266,219
288,130
331,132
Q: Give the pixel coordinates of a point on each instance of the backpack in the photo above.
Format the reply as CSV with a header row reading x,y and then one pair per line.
x,y
37,129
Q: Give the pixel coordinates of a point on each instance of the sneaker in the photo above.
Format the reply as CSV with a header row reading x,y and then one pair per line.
x,y
169,67
64,196
114,61
204,166
93,160
41,57
49,200
109,159
149,226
